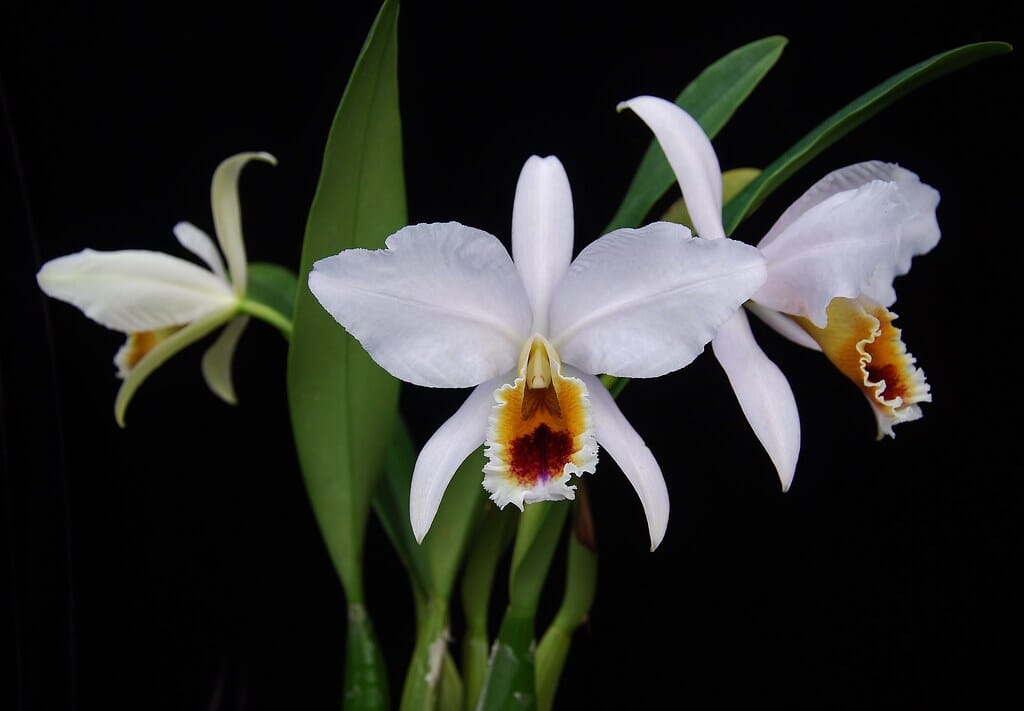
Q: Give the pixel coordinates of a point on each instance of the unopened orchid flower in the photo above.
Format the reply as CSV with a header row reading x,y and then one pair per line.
x,y
444,305
163,303
831,257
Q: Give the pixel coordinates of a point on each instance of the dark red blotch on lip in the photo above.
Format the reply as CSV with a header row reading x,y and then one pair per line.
x,y
540,454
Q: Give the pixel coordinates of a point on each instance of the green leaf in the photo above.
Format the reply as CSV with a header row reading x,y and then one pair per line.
x,y
343,406
509,685
712,98
270,295
391,504
272,285
849,117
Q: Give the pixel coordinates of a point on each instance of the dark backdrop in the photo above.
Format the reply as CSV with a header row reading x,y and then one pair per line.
x,y
176,564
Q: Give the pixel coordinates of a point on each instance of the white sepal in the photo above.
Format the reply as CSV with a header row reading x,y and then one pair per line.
x,y
199,243
627,448
692,158
783,325
227,215
445,451
763,392
542,232
216,364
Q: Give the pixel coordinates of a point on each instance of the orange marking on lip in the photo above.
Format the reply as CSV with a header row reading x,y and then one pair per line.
x,y
861,340
538,433
139,345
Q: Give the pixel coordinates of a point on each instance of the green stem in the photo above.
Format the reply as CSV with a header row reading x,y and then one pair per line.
x,y
550,661
366,682
265,313
494,536
423,678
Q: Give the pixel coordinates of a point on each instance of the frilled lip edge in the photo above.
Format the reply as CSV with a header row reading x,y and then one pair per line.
x,y
861,340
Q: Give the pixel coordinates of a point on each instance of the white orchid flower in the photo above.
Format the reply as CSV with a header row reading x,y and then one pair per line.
x,y
445,306
164,303
832,257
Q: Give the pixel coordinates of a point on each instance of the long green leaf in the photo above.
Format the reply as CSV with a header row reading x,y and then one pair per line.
x,y
343,406
712,98
849,117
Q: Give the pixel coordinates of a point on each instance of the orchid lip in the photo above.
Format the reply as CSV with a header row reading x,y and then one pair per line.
x,y
540,431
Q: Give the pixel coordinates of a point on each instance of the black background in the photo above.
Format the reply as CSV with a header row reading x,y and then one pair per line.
x,y
176,564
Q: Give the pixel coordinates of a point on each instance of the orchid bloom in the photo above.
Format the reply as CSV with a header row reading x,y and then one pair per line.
x,y
831,258
164,303
444,305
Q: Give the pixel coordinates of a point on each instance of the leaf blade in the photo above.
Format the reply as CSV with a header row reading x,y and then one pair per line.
x,y
849,117
337,396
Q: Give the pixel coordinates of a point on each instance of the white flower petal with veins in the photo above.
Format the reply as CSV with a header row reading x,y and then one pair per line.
x,y
643,303
135,290
442,306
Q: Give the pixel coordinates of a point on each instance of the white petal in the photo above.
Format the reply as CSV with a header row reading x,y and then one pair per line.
x,y
542,232
199,243
833,249
442,306
135,290
784,325
216,365
763,392
642,303
164,350
850,177
919,235
691,156
227,216
634,458
445,451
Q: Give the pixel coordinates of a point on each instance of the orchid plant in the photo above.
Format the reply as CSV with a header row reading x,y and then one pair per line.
x,y
546,342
